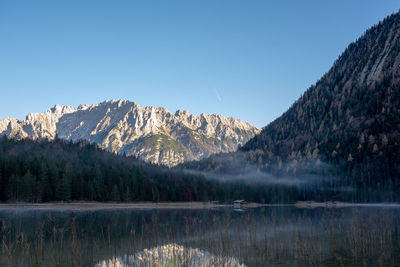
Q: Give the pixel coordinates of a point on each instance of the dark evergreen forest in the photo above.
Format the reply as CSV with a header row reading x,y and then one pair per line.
x,y
45,171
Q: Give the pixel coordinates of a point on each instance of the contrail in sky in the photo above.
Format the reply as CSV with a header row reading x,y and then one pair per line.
x,y
218,96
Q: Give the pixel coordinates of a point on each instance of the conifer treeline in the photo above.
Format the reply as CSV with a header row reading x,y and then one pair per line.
x,y
43,171
47,171
59,170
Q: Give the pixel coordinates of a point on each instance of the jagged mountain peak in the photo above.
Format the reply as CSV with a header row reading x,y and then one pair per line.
x,y
182,113
122,126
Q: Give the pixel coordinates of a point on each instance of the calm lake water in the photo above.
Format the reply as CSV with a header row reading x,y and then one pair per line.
x,y
267,236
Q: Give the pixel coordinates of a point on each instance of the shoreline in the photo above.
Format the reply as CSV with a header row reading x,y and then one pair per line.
x,y
339,204
97,206
93,206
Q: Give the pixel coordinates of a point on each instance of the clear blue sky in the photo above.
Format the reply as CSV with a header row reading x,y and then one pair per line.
x,y
245,59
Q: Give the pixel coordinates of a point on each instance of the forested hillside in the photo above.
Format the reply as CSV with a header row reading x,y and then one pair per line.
x,y
346,126
60,170
42,171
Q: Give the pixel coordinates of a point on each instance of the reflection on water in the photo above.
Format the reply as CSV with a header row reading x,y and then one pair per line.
x,y
171,255
268,236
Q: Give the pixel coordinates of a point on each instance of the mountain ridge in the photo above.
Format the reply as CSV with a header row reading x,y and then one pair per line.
x,y
151,133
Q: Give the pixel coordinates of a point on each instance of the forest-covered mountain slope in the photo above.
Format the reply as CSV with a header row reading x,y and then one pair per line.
x,y
348,122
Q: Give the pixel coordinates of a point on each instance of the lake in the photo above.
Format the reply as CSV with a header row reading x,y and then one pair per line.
x,y
265,236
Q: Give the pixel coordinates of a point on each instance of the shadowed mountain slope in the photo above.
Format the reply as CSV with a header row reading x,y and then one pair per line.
x,y
349,120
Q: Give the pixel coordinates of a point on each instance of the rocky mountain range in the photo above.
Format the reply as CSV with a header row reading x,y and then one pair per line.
x,y
124,127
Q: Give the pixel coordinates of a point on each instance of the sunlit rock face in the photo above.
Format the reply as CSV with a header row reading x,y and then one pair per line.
x,y
150,133
171,255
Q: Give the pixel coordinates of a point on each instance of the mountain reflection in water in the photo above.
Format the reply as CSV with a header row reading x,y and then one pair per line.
x,y
171,255
267,236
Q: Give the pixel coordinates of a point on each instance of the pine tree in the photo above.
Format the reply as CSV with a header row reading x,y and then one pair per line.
x,y
90,191
156,194
12,188
63,191
128,195
44,188
52,175
27,186
115,194
205,196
